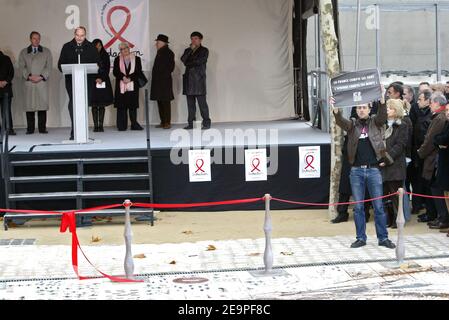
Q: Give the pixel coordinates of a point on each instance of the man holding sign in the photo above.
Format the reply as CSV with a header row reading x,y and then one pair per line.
x,y
366,151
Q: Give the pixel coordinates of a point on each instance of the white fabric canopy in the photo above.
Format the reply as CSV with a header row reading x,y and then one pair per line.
x,y
250,69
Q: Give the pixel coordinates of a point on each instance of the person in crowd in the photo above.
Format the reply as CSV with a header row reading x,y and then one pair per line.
x,y
366,150
395,91
102,95
428,152
423,86
6,93
421,125
438,87
194,81
446,90
442,174
394,167
78,48
409,95
127,71
162,82
35,65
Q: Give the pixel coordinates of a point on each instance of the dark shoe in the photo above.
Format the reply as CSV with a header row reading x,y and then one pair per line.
x,y
433,222
342,217
136,127
72,138
394,225
11,132
425,218
387,244
189,127
205,128
43,132
439,226
30,132
358,244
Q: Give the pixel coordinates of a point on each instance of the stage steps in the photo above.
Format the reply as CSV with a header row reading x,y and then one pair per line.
x,y
90,180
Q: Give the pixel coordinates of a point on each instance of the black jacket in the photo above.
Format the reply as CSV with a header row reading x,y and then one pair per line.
x,y
442,175
69,55
162,82
103,97
6,74
194,79
128,99
395,169
421,122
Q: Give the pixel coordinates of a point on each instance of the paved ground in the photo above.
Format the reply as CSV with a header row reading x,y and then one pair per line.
x,y
314,268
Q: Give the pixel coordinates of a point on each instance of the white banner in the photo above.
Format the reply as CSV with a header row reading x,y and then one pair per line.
x,y
256,165
116,21
199,166
309,162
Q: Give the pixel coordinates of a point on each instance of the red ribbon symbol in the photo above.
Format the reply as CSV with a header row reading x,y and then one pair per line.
x,y
118,35
200,167
256,166
309,161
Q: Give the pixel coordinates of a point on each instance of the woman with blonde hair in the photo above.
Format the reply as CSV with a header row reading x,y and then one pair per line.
x,y
394,166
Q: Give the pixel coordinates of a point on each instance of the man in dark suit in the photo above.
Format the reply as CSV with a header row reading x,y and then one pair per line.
x,y
195,59
81,47
162,82
6,76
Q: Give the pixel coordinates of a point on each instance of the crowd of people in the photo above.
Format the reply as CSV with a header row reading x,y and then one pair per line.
x,y
401,141
36,62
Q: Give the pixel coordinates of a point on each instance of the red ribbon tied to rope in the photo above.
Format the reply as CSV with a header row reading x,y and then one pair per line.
x,y
118,35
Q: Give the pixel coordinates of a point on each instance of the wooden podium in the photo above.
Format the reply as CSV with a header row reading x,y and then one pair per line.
x,y
79,74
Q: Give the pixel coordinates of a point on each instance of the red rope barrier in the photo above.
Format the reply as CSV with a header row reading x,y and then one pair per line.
x,y
68,220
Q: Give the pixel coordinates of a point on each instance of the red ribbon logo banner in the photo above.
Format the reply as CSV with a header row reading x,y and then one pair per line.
x,y
255,166
309,161
199,166
118,35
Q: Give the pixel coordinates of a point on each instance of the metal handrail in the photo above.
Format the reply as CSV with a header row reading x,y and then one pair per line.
x,y
150,162
4,132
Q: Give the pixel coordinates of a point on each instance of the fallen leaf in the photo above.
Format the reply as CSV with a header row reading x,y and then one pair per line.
x,y
256,254
287,253
139,256
173,262
96,239
211,248
187,232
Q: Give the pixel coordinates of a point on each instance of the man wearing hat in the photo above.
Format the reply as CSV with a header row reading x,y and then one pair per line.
x,y
162,83
194,81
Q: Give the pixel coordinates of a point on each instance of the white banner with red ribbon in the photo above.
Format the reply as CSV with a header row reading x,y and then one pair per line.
x,y
309,162
199,166
116,21
256,165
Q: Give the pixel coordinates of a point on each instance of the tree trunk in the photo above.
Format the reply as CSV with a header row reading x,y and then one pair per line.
x,y
330,46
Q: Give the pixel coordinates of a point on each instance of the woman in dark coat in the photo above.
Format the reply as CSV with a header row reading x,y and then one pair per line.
x,y
442,174
127,71
101,96
162,83
394,168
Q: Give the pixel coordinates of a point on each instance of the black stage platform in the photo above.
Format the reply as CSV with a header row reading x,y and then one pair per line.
x,y
170,181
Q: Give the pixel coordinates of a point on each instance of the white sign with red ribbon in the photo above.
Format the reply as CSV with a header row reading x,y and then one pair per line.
x,y
116,21
199,166
309,162
256,165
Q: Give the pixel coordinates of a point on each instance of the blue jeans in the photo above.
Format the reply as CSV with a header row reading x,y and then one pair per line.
x,y
372,179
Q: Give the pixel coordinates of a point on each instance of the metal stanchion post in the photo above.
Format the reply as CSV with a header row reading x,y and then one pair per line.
x,y
400,222
268,255
129,263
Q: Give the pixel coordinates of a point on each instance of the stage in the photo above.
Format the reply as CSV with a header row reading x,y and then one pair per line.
x,y
290,133
170,181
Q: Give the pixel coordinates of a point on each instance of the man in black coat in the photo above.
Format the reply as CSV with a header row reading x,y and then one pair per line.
x,y
6,76
162,82
194,80
69,55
